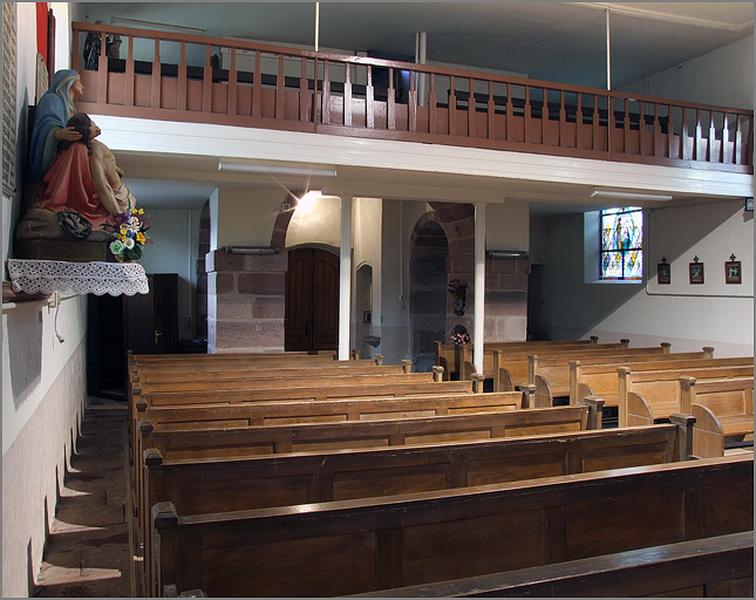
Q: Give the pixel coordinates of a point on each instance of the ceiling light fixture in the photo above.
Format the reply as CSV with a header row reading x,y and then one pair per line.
x,y
233,167
629,196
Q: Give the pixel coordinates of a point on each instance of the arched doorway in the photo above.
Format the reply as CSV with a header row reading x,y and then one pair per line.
x,y
312,300
428,283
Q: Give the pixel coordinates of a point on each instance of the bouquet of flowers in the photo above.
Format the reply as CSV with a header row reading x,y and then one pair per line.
x,y
130,232
460,338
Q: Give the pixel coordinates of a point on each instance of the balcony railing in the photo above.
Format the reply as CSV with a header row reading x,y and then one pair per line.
x,y
234,82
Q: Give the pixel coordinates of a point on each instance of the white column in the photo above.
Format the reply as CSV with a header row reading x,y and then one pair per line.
x,y
345,276
421,53
480,286
608,51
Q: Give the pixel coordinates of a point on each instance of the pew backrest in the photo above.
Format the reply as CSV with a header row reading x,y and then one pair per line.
x,y
348,547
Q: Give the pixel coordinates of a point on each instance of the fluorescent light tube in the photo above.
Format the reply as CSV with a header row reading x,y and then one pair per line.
x,y
629,196
233,167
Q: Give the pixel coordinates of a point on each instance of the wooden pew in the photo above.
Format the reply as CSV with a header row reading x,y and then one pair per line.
x,y
451,356
719,566
327,411
354,546
158,375
208,486
601,379
659,391
465,358
517,369
721,408
551,374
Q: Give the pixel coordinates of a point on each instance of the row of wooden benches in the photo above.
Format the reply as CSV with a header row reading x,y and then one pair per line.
x,y
213,456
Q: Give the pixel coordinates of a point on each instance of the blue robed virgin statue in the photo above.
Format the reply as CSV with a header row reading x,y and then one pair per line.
x,y
53,111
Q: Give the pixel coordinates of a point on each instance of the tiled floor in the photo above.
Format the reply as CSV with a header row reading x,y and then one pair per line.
x,y
87,553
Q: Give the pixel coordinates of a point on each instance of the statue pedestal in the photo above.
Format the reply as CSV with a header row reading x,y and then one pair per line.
x,y
73,251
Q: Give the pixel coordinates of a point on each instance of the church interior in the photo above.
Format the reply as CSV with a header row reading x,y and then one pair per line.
x,y
425,299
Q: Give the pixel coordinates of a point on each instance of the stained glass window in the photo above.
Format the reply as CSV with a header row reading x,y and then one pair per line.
x,y
622,243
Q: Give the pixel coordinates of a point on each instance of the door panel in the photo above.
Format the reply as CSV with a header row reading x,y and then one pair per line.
x,y
312,300
299,293
326,301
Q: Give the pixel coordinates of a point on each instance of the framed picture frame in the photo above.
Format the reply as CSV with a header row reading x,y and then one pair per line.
x,y
663,272
733,271
696,272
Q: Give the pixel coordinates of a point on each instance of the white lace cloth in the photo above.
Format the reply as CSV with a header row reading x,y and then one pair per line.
x,y
49,276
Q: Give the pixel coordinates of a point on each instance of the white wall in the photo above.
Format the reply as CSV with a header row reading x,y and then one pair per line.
x,y
244,216
507,226
316,221
723,76
367,229
175,236
44,380
687,316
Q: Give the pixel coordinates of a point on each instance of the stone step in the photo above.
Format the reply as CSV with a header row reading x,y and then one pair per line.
x,y
92,516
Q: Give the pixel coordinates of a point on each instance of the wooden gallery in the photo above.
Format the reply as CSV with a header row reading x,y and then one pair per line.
x,y
426,299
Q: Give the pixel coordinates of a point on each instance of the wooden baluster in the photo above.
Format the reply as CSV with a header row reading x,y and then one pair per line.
x,y
326,111
452,108
527,112
578,119
697,135
544,114
348,95
432,126
156,79
280,89
391,102
749,142
257,86
670,131
626,126
596,122
412,108
642,133
315,94
75,57
128,93
610,123
737,142
207,83
303,91
711,136
508,117
562,118
657,126
102,72
491,111
684,134
369,100
471,108
725,138
231,110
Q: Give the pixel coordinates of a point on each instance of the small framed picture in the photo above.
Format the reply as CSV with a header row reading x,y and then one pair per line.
x,y
696,272
664,272
733,273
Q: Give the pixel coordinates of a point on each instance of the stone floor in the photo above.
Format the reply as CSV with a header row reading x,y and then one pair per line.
x,y
87,553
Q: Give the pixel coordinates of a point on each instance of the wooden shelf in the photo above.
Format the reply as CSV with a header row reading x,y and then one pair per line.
x,y
10,296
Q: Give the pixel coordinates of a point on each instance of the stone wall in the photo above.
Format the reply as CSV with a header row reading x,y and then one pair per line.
x,y
506,299
246,301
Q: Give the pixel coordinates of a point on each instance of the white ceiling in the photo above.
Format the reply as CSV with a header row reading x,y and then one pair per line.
x,y
559,41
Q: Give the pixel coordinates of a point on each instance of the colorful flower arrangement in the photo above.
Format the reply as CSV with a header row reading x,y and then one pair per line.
x,y
130,233
460,338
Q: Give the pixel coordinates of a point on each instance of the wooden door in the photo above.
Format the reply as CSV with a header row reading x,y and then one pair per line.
x,y
312,300
151,320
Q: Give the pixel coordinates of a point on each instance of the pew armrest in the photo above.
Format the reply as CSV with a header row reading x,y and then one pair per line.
x,y
708,434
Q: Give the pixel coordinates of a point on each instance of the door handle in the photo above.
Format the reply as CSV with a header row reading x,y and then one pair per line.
x,y
156,334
